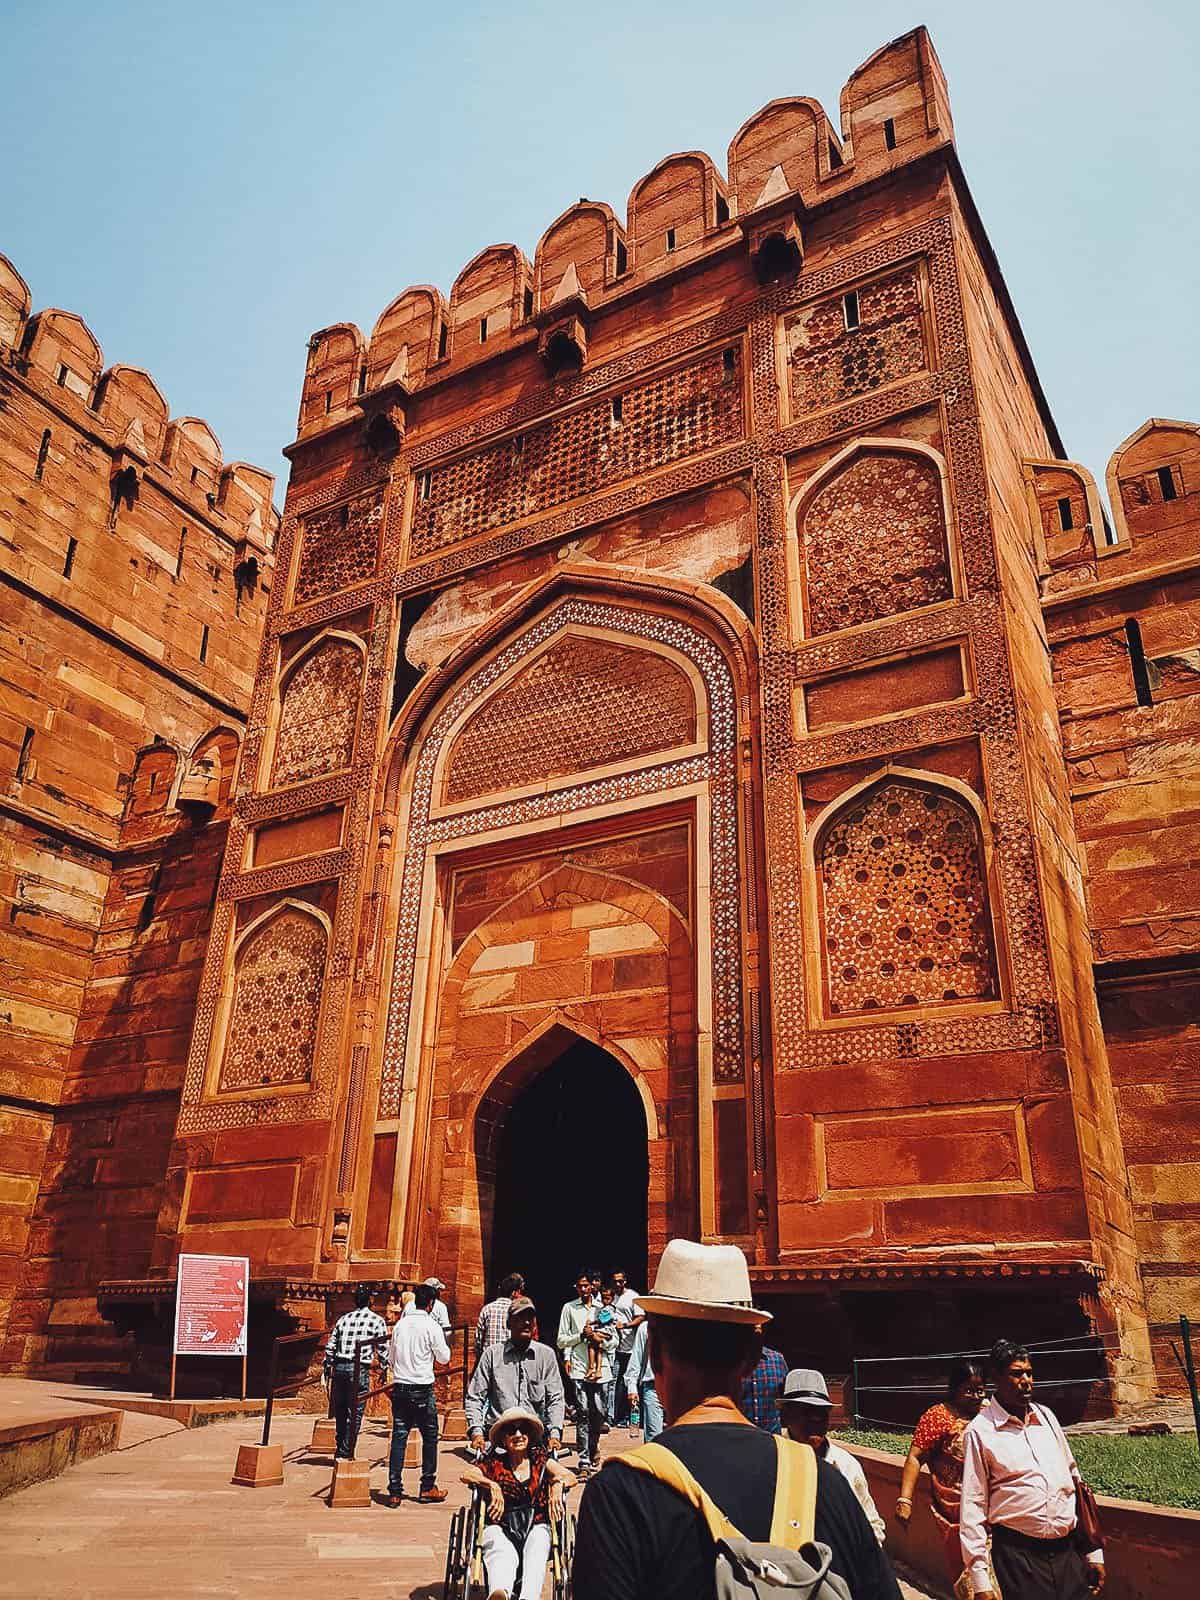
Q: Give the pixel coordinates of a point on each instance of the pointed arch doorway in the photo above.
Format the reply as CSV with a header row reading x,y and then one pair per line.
x,y
565,1155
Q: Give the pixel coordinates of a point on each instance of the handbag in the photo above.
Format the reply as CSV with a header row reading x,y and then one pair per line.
x,y
1089,1535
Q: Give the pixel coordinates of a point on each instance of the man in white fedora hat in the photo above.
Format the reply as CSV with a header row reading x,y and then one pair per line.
x,y
639,1538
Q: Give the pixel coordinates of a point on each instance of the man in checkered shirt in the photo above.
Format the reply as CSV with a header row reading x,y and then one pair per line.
x,y
338,1369
492,1326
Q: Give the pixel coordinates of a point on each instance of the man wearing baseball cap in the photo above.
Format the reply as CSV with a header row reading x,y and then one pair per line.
x,y
805,1407
639,1538
438,1309
519,1372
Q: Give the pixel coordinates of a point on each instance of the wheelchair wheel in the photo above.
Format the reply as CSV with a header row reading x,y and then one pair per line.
x,y
566,1545
456,1566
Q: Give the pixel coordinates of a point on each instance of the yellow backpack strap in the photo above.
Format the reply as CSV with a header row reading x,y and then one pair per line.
x,y
664,1465
793,1521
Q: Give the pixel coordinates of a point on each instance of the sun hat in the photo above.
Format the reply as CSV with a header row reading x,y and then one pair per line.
x,y
517,1414
435,1283
708,1282
804,1386
521,1306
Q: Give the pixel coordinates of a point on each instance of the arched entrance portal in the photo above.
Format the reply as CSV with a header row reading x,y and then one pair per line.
x,y
569,1165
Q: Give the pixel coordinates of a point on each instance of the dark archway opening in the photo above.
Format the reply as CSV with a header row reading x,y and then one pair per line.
x,y
572,1176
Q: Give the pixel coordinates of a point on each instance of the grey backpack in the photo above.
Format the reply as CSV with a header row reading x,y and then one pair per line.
x,y
793,1563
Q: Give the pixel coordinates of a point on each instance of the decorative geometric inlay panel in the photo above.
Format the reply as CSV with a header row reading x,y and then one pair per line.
x,y
339,547
874,541
677,414
318,714
830,362
276,1000
717,768
583,703
904,905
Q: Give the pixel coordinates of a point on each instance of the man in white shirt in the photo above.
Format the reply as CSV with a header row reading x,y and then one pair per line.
x,y
805,1409
1019,1481
630,1316
437,1310
575,1335
417,1343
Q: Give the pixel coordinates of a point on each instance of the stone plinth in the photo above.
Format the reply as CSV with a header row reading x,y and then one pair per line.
x,y
324,1436
259,1466
351,1485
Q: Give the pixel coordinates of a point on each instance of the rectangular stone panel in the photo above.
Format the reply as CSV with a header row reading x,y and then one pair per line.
x,y
882,690
950,1150
265,1193
297,836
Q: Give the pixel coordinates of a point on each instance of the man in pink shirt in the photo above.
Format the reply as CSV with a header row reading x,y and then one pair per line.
x,y
1019,1479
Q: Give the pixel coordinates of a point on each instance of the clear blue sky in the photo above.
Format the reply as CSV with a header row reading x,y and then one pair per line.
x,y
206,184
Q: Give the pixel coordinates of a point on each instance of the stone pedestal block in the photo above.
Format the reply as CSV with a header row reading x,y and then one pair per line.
x,y
454,1423
324,1436
351,1486
259,1466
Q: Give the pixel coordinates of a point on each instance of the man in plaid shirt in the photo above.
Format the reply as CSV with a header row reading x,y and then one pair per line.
x,y
761,1391
338,1368
492,1326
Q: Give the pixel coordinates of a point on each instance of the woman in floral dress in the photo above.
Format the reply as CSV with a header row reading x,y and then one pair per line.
x,y
938,1445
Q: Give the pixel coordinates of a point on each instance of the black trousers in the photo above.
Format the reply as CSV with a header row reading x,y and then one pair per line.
x,y
1037,1569
589,1417
342,1401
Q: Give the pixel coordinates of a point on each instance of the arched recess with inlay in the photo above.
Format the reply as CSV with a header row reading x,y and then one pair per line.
x,y
316,709
871,537
587,735
902,902
267,1023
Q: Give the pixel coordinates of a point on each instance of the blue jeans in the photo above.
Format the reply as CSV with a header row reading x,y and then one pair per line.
x,y
652,1411
347,1414
413,1407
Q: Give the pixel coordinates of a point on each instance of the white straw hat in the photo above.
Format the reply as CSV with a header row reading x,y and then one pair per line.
x,y
533,1424
709,1282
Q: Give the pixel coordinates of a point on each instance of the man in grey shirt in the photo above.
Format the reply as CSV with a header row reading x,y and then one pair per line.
x,y
519,1372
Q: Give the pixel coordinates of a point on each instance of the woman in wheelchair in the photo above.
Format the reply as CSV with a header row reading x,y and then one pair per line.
x,y
525,1489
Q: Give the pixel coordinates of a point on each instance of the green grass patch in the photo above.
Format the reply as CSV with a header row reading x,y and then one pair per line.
x,y
1162,1471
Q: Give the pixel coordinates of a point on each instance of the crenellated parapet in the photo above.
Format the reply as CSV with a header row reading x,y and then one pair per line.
x,y
782,164
123,410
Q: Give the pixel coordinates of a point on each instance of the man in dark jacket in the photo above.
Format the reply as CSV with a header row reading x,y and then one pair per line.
x,y
640,1540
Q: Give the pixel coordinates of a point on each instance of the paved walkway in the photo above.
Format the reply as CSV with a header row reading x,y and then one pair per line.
x,y
160,1520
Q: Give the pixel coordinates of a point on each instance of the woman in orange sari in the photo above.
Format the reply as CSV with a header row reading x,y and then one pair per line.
x,y
938,1444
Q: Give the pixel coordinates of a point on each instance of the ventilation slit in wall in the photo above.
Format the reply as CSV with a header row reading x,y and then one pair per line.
x,y
1066,518
528,303
443,341
43,452
204,642
423,483
722,210
483,330
850,310
670,238
23,758
1137,662
835,157
179,552
889,133
618,406
69,562
1166,483
728,363
328,401
622,258
64,373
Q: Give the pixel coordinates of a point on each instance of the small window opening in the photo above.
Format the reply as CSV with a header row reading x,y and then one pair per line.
x,y
518,445
64,372
483,330
23,758
670,238
423,486
204,642
618,408
1138,663
145,914
443,341
728,363
43,452
850,310
69,562
1166,483
722,210
179,551
622,262
528,304
889,132
1066,517
195,474
835,157
328,404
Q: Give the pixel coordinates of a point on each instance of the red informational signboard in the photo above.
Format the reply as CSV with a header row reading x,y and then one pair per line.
x,y
212,1300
